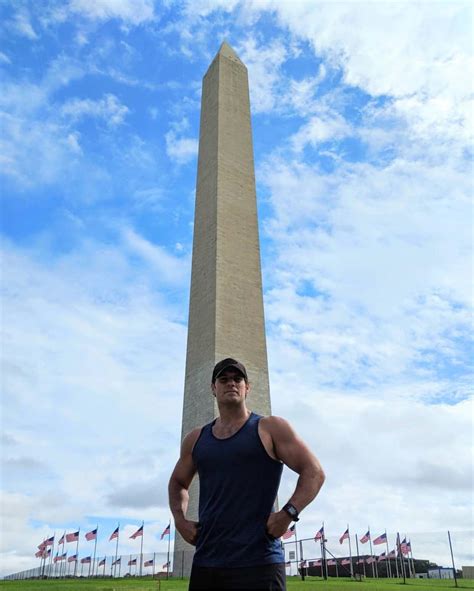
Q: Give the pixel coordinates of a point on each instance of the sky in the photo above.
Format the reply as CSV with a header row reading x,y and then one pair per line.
x,y
362,127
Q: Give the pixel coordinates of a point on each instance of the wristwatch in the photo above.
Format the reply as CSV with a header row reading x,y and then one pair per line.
x,y
292,511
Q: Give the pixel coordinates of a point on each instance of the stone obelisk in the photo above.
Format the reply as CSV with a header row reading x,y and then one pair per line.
x,y
226,303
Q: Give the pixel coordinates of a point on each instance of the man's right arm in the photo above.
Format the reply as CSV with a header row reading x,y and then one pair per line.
x,y
178,487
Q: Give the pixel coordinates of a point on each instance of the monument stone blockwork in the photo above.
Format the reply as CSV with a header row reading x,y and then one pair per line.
x,y
226,316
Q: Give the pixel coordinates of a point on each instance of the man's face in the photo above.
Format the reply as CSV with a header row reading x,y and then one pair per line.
x,y
230,387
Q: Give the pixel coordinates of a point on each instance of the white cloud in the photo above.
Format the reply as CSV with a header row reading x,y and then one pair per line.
x,y
181,150
371,302
108,108
133,12
416,53
263,63
22,25
171,269
326,126
4,59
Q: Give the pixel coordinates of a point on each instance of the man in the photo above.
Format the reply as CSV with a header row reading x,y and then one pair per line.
x,y
239,458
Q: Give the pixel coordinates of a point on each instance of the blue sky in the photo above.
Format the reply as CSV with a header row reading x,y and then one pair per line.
x,y
362,124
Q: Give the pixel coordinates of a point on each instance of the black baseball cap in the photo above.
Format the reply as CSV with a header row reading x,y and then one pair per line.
x,y
228,364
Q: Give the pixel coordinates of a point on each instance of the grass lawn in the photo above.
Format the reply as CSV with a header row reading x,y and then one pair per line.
x,y
293,584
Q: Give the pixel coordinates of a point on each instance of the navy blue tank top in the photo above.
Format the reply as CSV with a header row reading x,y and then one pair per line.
x,y
238,484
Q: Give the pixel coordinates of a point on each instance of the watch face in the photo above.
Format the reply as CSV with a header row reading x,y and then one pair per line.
x,y
291,510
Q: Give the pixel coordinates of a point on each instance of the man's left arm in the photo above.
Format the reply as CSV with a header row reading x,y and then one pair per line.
x,y
295,454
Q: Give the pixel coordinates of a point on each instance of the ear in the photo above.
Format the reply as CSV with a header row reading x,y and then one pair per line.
x,y
213,388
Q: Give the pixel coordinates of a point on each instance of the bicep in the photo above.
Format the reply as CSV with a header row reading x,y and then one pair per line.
x,y
291,449
185,468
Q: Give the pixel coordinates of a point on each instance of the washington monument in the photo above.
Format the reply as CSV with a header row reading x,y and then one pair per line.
x,y
226,304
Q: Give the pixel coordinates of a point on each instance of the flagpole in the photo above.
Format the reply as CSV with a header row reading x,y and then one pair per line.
x,y
43,559
397,556
400,553
95,547
77,551
412,561
64,542
350,551
141,548
54,540
372,553
411,573
396,563
168,559
296,548
325,562
388,552
116,551
452,559
358,557
153,570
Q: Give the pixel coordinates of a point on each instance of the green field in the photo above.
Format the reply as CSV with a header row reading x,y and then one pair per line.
x,y
293,584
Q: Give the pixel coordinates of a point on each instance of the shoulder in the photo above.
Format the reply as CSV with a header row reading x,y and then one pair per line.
x,y
276,426
190,439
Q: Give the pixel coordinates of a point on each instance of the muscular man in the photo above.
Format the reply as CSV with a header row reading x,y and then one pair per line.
x,y
239,458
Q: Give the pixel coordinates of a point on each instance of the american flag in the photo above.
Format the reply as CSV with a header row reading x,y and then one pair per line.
x,y
303,564
42,546
346,561
382,557
287,564
344,536
360,561
380,540
62,539
132,562
91,535
392,554
365,538
166,531
49,541
289,533
408,547
114,534
148,563
166,565
138,533
118,561
315,563
370,560
319,534
72,537
404,546
40,554
72,558
102,562
86,560
332,563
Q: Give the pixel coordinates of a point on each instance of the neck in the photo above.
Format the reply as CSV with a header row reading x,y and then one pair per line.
x,y
233,414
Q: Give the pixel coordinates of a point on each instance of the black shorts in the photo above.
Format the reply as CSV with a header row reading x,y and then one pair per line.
x,y
271,577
